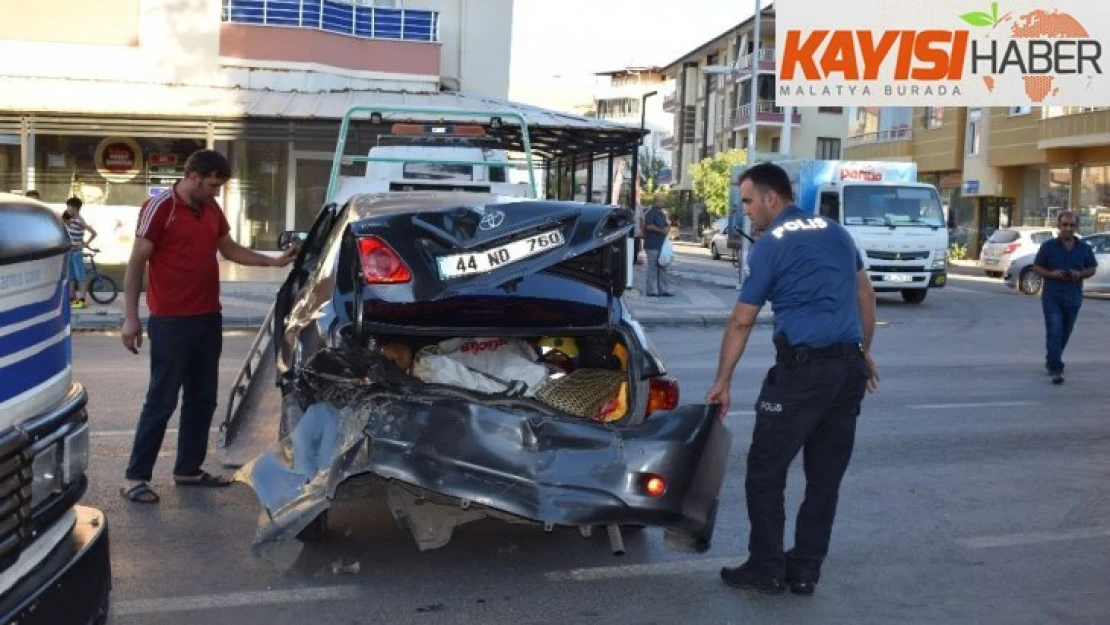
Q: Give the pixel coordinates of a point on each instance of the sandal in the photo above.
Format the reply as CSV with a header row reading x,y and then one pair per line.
x,y
204,479
139,493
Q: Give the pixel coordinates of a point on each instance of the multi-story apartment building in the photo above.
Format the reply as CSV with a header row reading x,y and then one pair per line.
x,y
106,99
998,167
629,96
713,112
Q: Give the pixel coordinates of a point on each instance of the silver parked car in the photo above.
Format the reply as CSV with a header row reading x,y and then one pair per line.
x,y
1006,244
1020,276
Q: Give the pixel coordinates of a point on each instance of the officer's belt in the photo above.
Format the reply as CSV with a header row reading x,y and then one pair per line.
x,y
801,354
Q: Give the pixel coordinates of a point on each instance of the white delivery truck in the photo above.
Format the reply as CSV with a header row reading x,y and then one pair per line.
x,y
898,224
54,556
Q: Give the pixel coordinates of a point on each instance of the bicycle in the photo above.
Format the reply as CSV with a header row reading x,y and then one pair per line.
x,y
103,289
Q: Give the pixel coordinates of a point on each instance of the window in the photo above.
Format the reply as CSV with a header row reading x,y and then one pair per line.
x,y
1021,110
933,117
1004,236
836,110
892,206
974,130
828,148
776,144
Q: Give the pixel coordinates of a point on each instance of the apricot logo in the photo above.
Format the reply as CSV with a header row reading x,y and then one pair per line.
x,y
974,54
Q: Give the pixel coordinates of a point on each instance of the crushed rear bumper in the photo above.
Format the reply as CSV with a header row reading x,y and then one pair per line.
x,y
444,462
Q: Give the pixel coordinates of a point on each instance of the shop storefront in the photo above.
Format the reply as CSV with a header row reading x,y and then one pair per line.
x,y
279,175
958,211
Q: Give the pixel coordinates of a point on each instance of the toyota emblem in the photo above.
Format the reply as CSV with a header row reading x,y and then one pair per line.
x,y
491,220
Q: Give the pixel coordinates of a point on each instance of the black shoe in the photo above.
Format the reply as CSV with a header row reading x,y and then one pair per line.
x,y
802,587
747,577
1057,378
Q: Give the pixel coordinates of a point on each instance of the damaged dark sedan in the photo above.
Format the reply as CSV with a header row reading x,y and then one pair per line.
x,y
468,356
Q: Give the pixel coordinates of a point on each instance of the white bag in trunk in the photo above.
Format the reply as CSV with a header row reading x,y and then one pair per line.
x,y
487,365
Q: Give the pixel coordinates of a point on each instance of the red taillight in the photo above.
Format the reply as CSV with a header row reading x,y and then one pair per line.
x,y
380,264
1011,248
662,394
653,485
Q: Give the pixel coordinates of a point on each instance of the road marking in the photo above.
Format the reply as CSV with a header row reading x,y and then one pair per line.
x,y
1033,538
106,433
983,404
638,570
235,600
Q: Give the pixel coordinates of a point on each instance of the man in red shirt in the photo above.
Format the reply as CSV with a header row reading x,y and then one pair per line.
x,y
178,235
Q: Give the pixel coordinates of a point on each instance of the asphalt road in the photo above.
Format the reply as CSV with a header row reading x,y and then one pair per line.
x,y
977,493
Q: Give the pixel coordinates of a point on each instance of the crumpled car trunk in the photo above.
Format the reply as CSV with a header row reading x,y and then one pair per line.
x,y
446,456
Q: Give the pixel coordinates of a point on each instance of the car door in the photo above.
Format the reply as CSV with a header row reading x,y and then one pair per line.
x,y
312,251
1100,245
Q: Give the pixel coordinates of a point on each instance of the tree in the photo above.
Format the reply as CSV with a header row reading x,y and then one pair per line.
x,y
711,180
651,165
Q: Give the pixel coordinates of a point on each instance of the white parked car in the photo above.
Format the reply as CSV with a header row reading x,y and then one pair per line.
x,y
1020,276
1006,244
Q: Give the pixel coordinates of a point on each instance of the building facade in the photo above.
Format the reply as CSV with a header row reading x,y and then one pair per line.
x,y
998,167
631,96
712,103
121,91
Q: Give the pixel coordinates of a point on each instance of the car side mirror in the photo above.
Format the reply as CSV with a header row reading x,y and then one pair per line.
x,y
289,238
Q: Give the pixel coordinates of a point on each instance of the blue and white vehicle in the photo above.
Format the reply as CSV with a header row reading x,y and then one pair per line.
x,y
898,224
54,555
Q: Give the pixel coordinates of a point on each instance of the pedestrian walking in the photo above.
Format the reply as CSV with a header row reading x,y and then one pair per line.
x,y
77,227
811,272
177,237
1064,262
656,229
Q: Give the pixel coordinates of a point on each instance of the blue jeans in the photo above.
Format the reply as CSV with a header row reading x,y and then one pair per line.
x,y
184,356
1059,320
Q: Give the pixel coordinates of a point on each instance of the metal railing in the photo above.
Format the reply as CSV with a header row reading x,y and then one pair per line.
x,y
766,55
345,17
1049,112
744,111
883,136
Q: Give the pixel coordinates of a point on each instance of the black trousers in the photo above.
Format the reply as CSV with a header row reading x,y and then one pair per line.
x,y
810,407
185,359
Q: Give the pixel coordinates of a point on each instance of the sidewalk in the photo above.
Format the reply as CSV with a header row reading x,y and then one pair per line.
x,y
248,292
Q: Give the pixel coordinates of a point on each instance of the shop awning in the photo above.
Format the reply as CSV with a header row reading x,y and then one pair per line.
x,y
58,103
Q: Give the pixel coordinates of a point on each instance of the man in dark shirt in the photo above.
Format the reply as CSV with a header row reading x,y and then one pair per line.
x,y
1064,262
655,233
824,305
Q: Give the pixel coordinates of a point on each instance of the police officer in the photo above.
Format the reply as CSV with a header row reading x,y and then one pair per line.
x,y
824,307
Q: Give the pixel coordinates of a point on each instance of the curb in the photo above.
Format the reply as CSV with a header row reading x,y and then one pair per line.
x,y
110,323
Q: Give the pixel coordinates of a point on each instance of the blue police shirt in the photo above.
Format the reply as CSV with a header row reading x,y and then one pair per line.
x,y
806,266
1052,256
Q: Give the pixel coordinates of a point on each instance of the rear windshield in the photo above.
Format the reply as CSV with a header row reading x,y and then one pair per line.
x,y
1041,237
1004,236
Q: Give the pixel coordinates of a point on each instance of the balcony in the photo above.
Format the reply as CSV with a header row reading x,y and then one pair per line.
x,y
883,136
1075,128
893,145
766,63
670,102
336,16
766,114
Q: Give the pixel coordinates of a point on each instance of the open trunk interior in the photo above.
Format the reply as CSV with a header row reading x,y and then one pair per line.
x,y
580,375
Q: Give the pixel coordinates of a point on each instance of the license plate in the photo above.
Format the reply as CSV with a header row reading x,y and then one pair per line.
x,y
897,277
990,261
475,263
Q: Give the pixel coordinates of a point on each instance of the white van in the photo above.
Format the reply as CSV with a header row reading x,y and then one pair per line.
x,y
54,555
